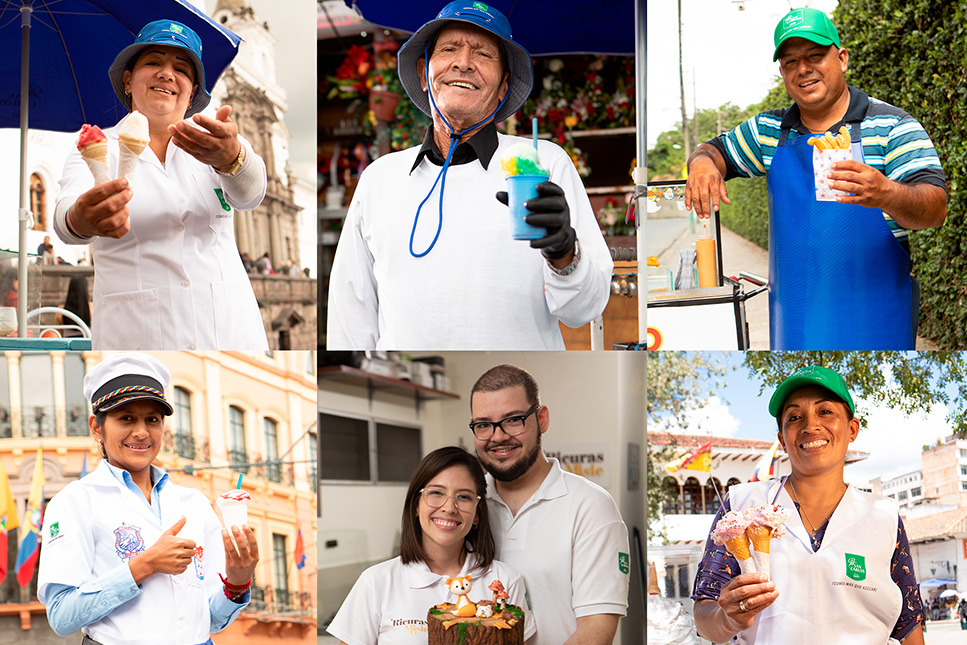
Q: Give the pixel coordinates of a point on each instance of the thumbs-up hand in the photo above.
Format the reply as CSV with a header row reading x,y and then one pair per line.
x,y
170,554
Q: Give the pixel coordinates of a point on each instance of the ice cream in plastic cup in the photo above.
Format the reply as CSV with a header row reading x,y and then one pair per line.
x,y
521,188
234,507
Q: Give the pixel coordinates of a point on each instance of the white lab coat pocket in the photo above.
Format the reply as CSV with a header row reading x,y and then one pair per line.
x,y
235,326
129,321
220,213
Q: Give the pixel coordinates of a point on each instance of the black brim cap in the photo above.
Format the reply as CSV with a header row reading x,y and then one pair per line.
x,y
478,14
127,377
810,375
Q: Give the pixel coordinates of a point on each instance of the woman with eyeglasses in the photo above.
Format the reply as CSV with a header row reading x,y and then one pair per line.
x,y
445,533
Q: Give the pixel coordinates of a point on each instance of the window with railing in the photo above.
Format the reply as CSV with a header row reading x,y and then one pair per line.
x,y
273,471
367,450
280,570
6,425
37,395
75,403
237,454
181,420
313,460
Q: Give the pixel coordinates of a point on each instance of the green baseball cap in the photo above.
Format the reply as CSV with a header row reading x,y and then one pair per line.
x,y
810,375
808,23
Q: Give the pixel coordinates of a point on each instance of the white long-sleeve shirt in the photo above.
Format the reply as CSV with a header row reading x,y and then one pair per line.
x,y
477,288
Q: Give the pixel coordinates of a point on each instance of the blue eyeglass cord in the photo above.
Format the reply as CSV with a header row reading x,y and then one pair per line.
x,y
454,140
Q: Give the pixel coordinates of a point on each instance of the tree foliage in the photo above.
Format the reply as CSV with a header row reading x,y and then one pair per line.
x,y
678,382
911,382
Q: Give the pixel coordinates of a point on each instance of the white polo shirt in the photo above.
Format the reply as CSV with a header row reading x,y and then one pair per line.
x,y
571,546
389,602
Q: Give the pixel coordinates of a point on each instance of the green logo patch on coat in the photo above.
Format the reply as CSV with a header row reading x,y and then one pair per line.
x,y
221,198
624,562
55,529
855,567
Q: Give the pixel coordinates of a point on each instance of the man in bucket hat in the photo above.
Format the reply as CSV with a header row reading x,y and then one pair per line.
x,y
857,292
454,278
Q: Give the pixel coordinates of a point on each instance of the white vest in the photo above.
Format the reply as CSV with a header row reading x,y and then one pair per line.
x,y
842,593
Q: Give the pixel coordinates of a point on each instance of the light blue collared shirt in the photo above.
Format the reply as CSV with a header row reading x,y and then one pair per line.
x,y
71,608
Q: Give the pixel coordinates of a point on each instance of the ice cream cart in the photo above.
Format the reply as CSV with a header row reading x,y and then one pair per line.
x,y
691,303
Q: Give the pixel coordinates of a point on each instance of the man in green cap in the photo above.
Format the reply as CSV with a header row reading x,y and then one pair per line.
x,y
857,292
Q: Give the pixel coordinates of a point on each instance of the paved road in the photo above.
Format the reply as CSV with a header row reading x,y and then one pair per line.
x,y
944,632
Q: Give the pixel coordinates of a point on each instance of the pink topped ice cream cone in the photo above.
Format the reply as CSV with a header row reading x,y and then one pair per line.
x,y
731,531
92,145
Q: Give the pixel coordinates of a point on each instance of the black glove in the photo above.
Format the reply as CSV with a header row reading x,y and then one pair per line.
x,y
549,210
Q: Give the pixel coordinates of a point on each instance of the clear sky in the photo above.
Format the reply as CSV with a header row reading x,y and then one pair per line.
x,y
727,54
893,441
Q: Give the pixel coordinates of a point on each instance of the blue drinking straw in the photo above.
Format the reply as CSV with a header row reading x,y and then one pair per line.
x,y
534,127
239,486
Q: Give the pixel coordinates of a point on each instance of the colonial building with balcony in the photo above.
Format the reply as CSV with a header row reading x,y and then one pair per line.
x,y
249,414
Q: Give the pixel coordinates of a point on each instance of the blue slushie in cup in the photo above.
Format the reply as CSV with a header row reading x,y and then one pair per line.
x,y
524,172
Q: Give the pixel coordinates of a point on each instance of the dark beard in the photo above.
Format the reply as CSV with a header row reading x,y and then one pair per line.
x,y
515,470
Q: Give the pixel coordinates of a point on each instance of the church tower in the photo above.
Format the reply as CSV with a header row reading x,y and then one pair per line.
x,y
258,104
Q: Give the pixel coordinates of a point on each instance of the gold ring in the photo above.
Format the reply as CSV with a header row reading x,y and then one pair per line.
x,y
742,605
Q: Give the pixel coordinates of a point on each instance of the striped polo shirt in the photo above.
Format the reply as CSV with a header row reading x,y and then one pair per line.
x,y
893,142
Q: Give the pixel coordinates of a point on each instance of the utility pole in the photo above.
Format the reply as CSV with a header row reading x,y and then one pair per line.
x,y
681,87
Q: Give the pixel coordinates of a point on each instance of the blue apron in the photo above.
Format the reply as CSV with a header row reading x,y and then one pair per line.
x,y
838,279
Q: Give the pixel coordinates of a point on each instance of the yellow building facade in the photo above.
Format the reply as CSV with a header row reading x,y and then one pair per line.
x,y
236,413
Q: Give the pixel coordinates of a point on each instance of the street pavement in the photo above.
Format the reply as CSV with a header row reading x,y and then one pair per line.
x,y
944,632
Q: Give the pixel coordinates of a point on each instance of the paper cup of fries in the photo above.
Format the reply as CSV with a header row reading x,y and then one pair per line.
x,y
827,150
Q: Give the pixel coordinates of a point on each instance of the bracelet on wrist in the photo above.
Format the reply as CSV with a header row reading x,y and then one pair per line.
x,y
237,588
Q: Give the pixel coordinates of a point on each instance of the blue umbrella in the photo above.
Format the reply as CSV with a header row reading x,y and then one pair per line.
x,y
542,28
65,49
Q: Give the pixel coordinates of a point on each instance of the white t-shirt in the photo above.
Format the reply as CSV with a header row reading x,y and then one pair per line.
x,y
478,288
571,546
175,280
389,602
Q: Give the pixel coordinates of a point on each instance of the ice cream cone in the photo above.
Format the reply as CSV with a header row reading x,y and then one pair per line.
x,y
130,150
761,537
653,587
739,547
95,155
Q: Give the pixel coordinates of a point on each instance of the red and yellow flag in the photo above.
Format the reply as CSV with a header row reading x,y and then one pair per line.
x,y
8,518
699,459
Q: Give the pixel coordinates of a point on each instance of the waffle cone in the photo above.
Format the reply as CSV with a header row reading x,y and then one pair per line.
x,y
653,588
95,151
739,547
761,536
136,146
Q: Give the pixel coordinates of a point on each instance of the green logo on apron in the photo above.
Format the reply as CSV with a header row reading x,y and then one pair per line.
x,y
855,567
624,565
221,198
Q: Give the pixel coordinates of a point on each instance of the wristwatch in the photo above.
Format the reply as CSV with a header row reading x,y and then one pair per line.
x,y
237,165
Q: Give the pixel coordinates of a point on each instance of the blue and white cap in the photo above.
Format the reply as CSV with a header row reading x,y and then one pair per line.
x,y
172,34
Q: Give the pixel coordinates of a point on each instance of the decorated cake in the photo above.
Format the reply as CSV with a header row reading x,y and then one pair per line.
x,y
486,622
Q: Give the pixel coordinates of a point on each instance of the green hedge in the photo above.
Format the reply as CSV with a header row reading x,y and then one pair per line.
x,y
913,55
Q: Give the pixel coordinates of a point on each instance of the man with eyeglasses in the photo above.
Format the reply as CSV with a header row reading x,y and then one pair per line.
x,y
563,533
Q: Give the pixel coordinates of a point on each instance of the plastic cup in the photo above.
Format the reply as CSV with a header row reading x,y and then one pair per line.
x,y
521,188
234,512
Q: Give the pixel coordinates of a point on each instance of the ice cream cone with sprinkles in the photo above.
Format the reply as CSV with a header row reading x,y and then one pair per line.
x,y
765,523
731,531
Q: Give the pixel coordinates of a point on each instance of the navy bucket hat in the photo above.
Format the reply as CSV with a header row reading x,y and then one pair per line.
x,y
172,34
478,14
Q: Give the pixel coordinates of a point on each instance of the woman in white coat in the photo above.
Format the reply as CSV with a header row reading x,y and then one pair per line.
x,y
445,533
167,270
128,556
843,571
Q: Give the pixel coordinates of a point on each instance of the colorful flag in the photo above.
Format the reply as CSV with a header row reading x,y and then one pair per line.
x,y
30,528
699,459
300,552
84,466
8,519
765,468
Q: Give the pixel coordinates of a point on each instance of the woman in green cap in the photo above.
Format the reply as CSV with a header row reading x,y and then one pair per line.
x,y
842,573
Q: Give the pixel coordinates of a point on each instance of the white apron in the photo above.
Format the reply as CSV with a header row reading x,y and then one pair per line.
x,y
842,593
